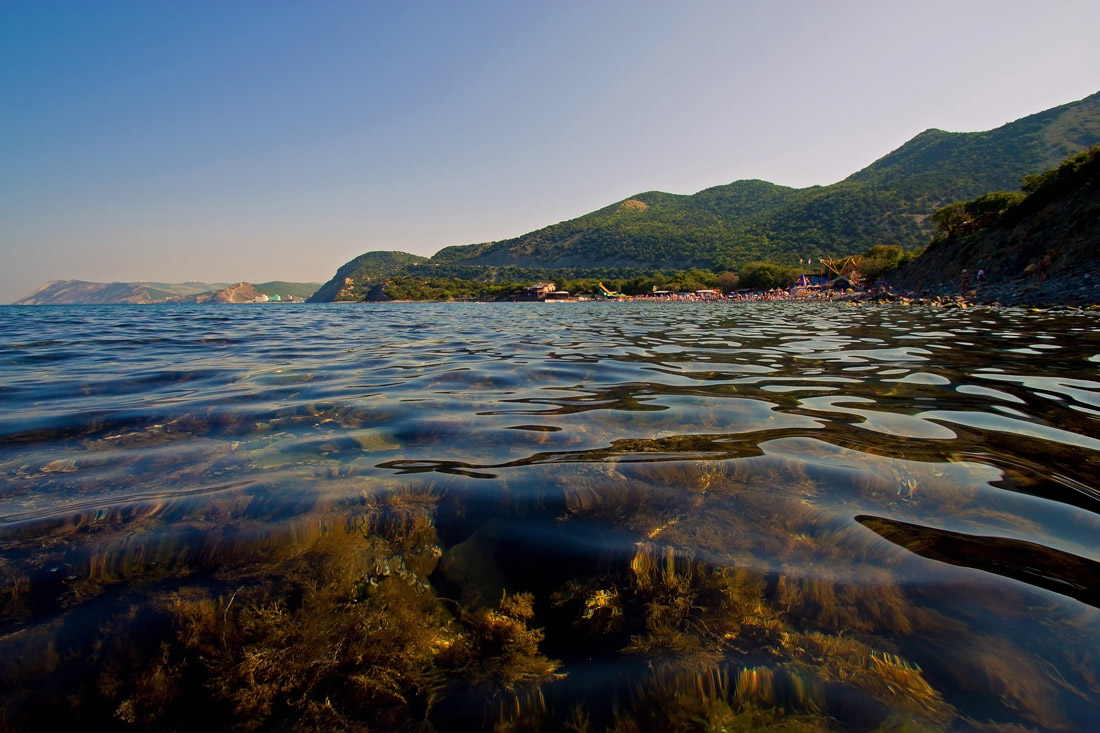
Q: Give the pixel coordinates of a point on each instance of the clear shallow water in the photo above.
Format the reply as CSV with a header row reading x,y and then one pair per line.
x,y
536,515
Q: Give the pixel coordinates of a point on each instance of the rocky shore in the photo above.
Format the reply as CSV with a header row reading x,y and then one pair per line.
x,y
1062,291
1082,290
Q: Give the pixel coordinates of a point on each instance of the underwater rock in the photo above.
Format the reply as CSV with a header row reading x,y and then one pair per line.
x,y
472,567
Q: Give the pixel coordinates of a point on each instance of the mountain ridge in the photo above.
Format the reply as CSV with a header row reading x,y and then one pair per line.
x,y
892,194
727,226
84,292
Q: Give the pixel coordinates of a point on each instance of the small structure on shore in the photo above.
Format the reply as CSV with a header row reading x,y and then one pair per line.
x,y
846,268
604,292
538,291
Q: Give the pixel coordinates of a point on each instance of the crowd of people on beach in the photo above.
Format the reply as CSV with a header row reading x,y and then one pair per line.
x,y
773,294
969,287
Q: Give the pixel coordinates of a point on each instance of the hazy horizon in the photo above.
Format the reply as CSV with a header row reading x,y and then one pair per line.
x,y
217,142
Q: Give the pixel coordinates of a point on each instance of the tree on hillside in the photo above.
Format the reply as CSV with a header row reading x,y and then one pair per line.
x,y
765,276
728,281
966,217
1067,171
879,259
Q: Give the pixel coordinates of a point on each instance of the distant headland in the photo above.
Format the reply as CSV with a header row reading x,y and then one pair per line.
x,y
80,292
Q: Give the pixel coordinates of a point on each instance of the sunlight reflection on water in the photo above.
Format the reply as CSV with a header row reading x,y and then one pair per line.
x,y
851,500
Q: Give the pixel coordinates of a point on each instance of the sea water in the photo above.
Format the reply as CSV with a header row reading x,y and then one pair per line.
x,y
605,515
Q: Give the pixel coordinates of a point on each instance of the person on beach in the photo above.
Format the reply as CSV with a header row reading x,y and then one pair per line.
x,y
965,281
1043,266
981,277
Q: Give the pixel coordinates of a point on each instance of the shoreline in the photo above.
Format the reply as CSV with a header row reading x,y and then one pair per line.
x,y
1060,292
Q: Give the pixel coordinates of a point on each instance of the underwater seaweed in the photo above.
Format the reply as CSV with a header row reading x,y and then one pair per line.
x,y
498,651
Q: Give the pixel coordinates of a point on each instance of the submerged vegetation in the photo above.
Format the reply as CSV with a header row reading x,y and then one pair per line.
x,y
344,631
795,518
366,620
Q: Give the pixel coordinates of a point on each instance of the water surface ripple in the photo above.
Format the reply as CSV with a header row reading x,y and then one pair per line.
x,y
853,500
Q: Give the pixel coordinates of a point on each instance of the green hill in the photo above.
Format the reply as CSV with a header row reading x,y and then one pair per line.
x,y
652,229
952,166
355,280
729,226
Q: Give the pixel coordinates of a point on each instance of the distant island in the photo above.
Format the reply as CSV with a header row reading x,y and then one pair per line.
x,y
80,292
756,234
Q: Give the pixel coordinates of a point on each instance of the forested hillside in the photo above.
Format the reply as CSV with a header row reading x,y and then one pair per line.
x,y
725,228
355,279
1056,216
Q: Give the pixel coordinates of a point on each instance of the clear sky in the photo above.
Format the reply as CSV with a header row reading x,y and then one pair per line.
x,y
223,141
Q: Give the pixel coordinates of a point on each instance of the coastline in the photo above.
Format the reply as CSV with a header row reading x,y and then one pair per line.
x,y
1080,291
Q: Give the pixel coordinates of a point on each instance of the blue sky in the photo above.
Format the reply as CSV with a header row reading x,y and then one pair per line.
x,y
226,141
